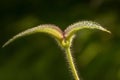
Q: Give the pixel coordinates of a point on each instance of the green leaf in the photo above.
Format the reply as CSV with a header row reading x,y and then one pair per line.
x,y
72,29
47,28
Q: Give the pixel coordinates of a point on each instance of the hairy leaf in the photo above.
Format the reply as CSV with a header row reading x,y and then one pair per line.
x,y
47,28
72,29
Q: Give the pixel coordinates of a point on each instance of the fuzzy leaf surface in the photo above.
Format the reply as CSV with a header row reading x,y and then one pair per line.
x,y
47,28
72,29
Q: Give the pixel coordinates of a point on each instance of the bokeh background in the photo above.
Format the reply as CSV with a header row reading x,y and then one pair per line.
x,y
38,57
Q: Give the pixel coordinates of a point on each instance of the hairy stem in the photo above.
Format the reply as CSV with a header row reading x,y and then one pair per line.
x,y
71,63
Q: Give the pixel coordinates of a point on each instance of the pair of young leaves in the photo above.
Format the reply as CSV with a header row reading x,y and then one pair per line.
x,y
63,38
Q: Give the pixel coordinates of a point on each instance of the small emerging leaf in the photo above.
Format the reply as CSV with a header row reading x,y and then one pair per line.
x,y
49,29
72,29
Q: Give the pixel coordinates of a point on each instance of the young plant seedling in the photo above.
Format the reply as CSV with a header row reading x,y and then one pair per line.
x,y
64,38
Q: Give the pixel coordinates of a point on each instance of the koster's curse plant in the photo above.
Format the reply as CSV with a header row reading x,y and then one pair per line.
x,y
64,38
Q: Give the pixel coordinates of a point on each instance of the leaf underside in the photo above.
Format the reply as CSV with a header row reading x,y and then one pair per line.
x,y
72,29
47,28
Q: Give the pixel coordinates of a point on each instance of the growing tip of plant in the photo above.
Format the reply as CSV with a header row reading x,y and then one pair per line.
x,y
63,38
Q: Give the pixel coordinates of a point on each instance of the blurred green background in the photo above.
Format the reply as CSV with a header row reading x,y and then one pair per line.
x,y
38,57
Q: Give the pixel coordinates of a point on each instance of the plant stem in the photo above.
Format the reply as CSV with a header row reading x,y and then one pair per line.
x,y
71,63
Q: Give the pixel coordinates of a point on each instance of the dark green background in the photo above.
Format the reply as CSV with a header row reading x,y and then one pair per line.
x,y
38,57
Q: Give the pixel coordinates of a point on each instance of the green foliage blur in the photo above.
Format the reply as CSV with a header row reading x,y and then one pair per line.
x,y
38,57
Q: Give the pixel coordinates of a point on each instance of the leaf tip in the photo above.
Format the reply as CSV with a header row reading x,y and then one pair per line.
x,y
108,31
5,44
